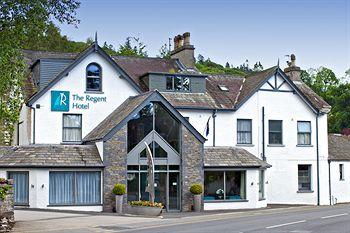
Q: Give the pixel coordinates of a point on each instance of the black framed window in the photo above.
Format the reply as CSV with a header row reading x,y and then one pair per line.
x,y
72,125
177,83
275,132
244,131
304,133
93,77
74,188
341,171
304,177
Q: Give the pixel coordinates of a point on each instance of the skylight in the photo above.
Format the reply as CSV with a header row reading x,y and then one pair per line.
x,y
223,88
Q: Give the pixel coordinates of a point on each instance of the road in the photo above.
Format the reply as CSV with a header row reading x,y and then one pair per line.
x,y
309,219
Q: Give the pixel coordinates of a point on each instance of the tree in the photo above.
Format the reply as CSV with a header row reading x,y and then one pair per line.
x,y
132,47
207,66
164,51
227,65
23,24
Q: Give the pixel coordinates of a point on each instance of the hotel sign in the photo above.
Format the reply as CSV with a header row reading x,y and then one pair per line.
x,y
60,101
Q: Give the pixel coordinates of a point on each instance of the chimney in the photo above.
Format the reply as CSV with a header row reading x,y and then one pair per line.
x,y
292,70
183,50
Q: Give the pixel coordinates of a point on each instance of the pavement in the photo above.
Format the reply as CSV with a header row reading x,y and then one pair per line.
x,y
296,219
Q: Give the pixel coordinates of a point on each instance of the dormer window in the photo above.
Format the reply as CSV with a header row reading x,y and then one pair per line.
x,y
93,77
177,83
223,88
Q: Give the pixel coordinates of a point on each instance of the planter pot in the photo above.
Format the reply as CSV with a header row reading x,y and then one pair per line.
x,y
119,204
197,203
143,210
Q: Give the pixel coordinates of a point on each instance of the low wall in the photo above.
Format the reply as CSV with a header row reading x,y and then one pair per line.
x,y
7,219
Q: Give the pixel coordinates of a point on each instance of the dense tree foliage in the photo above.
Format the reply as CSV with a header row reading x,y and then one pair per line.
x,y
23,24
207,66
132,47
335,91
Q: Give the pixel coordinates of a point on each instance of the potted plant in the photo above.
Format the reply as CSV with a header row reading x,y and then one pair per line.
x,y
119,191
197,190
145,208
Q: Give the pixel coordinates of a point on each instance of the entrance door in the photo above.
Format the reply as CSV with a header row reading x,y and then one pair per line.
x,y
160,188
174,192
21,187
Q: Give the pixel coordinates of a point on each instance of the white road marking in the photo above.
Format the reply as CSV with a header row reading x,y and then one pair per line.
x,y
336,215
285,224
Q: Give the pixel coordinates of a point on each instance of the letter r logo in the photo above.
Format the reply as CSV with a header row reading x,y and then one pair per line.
x,y
60,101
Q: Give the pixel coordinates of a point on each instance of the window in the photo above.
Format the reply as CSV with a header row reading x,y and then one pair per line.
x,y
224,185
244,131
304,177
341,171
261,184
71,128
20,187
275,132
304,133
177,83
154,117
223,87
74,188
157,151
93,77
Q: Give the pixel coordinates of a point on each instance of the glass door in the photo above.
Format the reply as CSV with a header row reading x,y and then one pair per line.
x,y
20,187
174,192
160,188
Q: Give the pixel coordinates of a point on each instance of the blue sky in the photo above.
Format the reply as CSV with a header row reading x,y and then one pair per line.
x,y
317,31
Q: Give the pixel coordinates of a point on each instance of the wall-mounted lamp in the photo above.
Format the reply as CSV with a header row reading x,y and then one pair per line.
x,y
42,186
32,186
252,183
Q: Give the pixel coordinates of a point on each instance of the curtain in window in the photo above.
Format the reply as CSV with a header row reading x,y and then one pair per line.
x,y
244,132
88,187
61,188
304,133
71,128
21,186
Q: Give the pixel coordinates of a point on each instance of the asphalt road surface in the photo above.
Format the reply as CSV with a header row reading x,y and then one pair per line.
x,y
307,219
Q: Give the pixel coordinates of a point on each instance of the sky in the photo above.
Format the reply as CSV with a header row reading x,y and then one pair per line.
x,y
316,31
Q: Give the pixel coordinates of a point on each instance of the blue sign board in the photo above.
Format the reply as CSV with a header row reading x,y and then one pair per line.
x,y
60,101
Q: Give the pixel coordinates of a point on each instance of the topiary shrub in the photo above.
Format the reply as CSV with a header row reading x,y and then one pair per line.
x,y
196,189
119,189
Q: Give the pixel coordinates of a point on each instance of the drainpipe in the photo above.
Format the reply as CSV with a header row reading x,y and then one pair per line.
x,y
263,134
318,162
214,116
330,182
33,124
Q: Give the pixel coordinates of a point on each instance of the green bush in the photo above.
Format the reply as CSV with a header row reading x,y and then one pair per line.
x,y
119,189
145,203
196,189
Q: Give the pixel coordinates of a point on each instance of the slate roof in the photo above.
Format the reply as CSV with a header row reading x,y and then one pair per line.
x,y
339,147
240,88
50,156
231,157
116,117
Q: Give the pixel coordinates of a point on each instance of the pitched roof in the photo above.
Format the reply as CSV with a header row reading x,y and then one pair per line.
x,y
135,67
191,100
231,157
50,156
122,114
339,147
116,117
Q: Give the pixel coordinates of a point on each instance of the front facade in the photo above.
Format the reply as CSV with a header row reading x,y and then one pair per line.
x,y
249,140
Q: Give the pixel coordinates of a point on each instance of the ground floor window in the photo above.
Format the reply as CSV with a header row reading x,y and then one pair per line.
x,y
75,188
304,177
20,187
341,171
224,185
261,184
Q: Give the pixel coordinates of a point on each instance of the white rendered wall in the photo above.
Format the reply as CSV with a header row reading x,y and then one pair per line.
x,y
340,188
39,189
283,175
48,128
24,128
252,196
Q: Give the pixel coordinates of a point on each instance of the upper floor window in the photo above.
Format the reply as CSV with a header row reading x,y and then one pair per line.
x,y
93,77
275,132
304,133
71,128
244,131
177,83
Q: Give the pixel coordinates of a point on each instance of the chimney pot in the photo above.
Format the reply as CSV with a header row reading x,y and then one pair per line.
x,y
186,37
181,41
176,42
